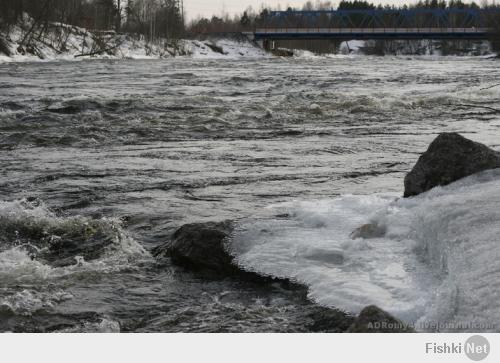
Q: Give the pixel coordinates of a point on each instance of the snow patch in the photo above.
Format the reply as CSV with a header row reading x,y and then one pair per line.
x,y
64,42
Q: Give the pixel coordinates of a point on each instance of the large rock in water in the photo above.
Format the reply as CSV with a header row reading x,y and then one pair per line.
x,y
375,320
450,157
204,248
201,246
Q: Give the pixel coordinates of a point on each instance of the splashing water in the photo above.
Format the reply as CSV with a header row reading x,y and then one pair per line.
x,y
120,168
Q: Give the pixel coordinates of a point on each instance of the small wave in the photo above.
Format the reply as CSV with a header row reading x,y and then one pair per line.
x,y
75,105
104,325
11,107
26,302
17,266
182,75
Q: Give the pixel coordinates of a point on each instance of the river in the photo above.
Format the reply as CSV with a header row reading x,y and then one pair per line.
x,y
138,148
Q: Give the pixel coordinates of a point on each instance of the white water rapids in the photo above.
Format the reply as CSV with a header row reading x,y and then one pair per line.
x,y
300,151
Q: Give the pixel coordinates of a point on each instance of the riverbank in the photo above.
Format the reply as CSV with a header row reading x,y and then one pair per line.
x,y
423,47
61,42
69,43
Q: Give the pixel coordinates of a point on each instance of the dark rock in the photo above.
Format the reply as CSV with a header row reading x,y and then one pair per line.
x,y
375,320
204,248
201,247
449,158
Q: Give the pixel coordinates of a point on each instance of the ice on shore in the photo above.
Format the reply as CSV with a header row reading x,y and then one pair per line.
x,y
436,264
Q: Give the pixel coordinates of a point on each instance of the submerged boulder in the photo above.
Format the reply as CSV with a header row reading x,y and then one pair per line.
x,y
375,320
450,157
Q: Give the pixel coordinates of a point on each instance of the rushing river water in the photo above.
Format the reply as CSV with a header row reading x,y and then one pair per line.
x,y
135,149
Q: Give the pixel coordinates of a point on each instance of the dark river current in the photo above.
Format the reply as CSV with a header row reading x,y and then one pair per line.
x,y
132,150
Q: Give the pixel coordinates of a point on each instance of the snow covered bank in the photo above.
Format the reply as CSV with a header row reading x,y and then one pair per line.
x,y
416,47
426,48
435,264
64,42
223,48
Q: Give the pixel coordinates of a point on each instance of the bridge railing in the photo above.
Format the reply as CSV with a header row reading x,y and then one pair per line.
x,y
370,30
369,18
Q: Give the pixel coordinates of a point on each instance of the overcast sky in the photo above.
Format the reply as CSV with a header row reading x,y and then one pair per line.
x,y
208,8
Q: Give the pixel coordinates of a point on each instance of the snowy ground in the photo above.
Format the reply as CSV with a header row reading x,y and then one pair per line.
x,y
227,49
416,47
65,42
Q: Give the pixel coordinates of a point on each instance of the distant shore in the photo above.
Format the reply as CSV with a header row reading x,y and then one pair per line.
x,y
65,42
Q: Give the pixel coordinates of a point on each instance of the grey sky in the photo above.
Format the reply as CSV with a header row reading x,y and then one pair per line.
x,y
210,7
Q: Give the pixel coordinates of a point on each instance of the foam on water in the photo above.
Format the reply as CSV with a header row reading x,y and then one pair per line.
x,y
26,302
18,262
16,266
103,326
29,282
436,263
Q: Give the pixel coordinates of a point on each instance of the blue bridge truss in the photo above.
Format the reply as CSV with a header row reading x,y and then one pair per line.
x,y
380,24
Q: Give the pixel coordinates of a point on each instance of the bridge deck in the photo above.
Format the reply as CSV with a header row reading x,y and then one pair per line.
x,y
370,33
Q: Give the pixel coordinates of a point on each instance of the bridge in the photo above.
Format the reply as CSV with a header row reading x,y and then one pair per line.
x,y
381,24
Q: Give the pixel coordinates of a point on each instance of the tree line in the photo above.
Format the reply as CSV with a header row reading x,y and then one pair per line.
x,y
156,19
149,18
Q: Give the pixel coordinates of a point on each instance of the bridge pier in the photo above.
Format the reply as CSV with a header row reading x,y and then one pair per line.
x,y
268,45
